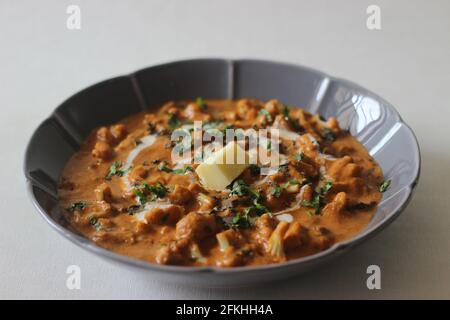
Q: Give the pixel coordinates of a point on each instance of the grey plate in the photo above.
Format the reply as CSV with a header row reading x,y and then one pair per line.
x,y
372,120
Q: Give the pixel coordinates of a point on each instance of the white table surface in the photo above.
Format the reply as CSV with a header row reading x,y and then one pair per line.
x,y
406,62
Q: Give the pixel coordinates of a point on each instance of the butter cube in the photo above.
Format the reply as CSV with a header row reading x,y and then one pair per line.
x,y
223,166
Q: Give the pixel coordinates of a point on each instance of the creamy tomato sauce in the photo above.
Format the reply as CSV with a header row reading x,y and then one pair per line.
x,y
122,190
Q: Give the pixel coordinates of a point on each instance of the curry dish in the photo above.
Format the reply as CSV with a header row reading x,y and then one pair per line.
x,y
124,191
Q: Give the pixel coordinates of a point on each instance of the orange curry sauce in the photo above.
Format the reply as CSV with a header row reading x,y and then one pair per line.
x,y
122,191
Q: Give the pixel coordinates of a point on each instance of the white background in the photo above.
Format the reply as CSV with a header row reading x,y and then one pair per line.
x,y
407,62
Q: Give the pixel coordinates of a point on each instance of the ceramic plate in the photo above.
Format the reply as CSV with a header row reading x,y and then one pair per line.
x,y
372,120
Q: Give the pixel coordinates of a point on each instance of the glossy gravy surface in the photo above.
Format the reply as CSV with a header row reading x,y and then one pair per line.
x,y
122,190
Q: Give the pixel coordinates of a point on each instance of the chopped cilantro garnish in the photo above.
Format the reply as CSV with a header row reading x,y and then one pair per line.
x,y
173,121
80,205
142,198
292,122
291,182
182,171
299,156
317,202
200,102
93,221
241,221
158,190
265,113
259,208
163,167
326,188
285,112
277,191
116,170
145,190
384,186
240,188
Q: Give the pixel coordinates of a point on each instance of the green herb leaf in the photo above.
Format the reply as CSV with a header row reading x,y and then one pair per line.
x,y
93,221
258,207
315,203
265,113
318,200
326,188
116,170
277,191
241,221
80,205
285,112
145,190
299,156
384,186
163,167
182,171
142,198
200,102
240,188
159,190
291,182
173,121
